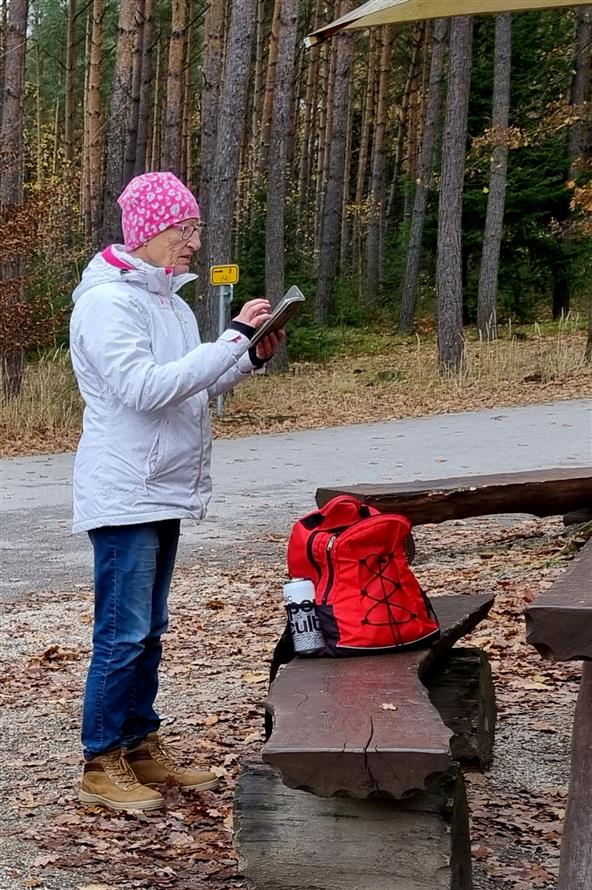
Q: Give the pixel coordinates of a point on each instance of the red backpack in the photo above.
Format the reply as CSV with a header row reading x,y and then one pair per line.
x,y
367,597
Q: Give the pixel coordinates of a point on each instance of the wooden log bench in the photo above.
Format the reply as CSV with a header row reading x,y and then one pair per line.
x,y
550,492
559,625
359,784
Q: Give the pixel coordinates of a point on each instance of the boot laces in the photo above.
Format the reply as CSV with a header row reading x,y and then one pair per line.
x,y
163,755
119,771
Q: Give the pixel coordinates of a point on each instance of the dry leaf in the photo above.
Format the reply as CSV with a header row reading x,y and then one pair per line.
x,y
388,706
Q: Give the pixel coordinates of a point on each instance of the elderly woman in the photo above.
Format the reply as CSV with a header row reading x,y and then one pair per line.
x,y
142,465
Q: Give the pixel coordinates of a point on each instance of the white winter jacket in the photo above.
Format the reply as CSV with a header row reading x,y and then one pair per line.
x,y
146,381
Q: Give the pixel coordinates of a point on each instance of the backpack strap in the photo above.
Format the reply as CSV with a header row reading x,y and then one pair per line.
x,y
282,654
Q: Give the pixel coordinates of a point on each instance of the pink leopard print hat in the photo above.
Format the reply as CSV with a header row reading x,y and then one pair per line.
x,y
152,202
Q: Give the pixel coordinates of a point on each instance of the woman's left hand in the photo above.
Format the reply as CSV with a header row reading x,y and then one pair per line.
x,y
269,345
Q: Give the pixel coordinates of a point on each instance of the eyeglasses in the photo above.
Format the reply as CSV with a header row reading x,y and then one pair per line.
x,y
188,230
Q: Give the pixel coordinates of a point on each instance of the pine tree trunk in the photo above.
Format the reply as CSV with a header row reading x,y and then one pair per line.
x,y
307,136
496,201
408,128
85,177
368,115
268,94
213,61
257,106
12,171
426,169
449,279
331,222
94,123
345,248
70,103
324,148
141,153
281,128
231,126
174,93
376,202
131,136
155,128
118,117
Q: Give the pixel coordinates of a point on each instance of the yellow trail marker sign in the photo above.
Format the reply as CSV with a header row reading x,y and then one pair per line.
x,y
224,274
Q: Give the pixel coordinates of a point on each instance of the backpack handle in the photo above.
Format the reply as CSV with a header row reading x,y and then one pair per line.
x,y
341,510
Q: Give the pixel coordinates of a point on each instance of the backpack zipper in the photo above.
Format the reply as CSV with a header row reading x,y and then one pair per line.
x,y
330,570
310,554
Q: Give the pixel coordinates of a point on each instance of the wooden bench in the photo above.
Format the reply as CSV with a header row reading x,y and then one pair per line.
x,y
559,625
376,740
359,785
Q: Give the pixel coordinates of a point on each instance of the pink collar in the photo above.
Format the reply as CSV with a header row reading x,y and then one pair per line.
x,y
109,256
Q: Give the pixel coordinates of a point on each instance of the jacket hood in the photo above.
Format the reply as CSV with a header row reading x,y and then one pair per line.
x,y
115,265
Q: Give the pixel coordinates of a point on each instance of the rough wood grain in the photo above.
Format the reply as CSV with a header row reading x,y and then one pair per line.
x,y
559,622
365,726
290,840
539,492
461,688
575,870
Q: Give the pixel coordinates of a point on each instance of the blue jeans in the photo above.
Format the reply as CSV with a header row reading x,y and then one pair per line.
x,y
133,570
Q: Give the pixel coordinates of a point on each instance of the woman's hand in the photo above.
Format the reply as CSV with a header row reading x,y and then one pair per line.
x,y
254,312
268,346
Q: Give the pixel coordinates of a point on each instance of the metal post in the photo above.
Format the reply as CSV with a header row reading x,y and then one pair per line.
x,y
225,292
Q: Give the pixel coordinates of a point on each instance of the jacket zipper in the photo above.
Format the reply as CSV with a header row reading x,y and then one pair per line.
x,y
330,569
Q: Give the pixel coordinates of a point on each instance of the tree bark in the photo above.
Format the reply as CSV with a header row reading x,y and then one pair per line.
x,y
231,126
331,222
307,136
118,117
213,61
145,83
496,201
449,261
377,208
70,104
268,94
281,128
131,134
368,113
94,123
424,182
174,94
12,170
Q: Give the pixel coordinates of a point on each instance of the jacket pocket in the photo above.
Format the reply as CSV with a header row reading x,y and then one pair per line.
x,y
157,453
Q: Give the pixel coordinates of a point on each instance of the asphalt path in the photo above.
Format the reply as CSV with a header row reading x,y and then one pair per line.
x,y
264,483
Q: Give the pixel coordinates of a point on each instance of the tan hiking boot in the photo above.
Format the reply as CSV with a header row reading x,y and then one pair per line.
x,y
154,765
108,780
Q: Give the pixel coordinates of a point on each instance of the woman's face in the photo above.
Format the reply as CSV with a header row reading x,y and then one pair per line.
x,y
174,247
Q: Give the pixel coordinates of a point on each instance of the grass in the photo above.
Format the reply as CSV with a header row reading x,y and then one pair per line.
x,y
370,377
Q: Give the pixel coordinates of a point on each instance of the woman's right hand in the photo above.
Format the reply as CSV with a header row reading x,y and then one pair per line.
x,y
254,313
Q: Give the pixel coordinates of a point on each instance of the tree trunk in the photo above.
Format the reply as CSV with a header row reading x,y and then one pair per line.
x,y
281,128
268,95
426,169
174,93
118,117
85,177
345,248
331,222
307,136
145,83
94,123
155,144
376,208
231,126
213,60
70,103
579,134
131,135
449,261
496,201
368,114
12,170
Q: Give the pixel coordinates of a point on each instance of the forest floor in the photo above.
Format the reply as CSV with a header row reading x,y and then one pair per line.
x,y
215,668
